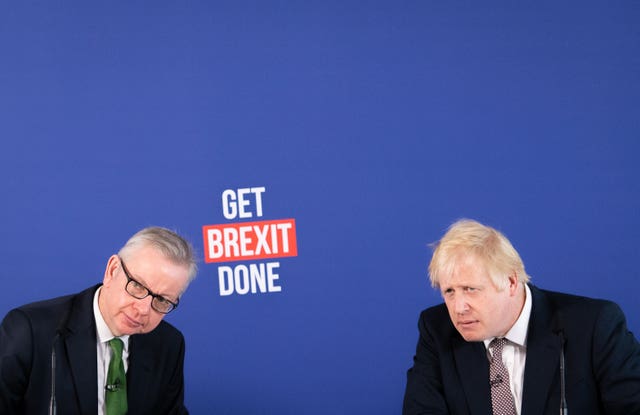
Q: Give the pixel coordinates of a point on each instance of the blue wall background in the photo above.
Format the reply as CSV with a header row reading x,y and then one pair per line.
x,y
373,124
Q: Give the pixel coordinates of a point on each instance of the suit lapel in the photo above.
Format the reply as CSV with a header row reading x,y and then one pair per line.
x,y
80,341
473,370
139,373
543,356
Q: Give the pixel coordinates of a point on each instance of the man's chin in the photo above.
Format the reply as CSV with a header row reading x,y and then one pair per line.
x,y
470,335
129,329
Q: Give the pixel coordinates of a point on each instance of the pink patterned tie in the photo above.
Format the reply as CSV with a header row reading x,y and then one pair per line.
x,y
501,398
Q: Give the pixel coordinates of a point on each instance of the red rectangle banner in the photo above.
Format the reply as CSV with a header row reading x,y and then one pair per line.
x,y
250,240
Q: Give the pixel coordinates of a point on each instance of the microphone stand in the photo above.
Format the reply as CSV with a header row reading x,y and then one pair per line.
x,y
52,397
563,399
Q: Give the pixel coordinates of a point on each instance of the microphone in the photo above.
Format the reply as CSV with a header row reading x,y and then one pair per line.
x,y
52,397
115,387
563,399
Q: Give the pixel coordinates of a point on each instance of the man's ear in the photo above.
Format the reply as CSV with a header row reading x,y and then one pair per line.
x,y
112,267
513,283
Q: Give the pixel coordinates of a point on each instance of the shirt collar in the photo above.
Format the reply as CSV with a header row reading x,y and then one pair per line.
x,y
102,330
518,332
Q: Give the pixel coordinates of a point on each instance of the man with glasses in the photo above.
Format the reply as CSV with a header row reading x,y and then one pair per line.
x,y
105,350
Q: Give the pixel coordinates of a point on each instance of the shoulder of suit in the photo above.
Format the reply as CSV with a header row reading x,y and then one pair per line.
x,y
436,311
574,303
57,303
436,317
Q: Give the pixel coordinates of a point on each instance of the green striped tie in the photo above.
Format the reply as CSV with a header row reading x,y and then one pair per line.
x,y
116,393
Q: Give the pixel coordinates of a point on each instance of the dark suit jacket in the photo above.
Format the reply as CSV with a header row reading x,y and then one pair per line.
x,y
450,375
155,383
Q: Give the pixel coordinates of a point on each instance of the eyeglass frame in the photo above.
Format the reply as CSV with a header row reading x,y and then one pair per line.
x,y
149,292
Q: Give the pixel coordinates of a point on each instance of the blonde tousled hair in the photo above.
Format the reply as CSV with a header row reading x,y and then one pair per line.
x,y
467,239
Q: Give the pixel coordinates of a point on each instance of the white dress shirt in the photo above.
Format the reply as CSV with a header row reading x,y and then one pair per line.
x,y
103,335
514,353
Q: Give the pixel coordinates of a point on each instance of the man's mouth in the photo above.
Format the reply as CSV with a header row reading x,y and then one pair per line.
x,y
131,322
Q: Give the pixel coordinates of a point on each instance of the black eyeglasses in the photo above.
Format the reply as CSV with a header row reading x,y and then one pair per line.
x,y
139,291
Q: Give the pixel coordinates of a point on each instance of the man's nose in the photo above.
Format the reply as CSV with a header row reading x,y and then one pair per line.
x,y
461,305
143,306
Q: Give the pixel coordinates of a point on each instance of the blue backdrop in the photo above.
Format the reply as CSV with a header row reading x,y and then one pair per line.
x,y
373,125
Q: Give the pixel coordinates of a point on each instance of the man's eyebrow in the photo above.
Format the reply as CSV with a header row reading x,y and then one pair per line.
x,y
166,296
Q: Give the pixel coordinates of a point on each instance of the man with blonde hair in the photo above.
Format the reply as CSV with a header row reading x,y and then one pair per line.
x,y
500,345
105,350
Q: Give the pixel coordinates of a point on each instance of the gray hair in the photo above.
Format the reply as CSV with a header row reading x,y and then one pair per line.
x,y
174,247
